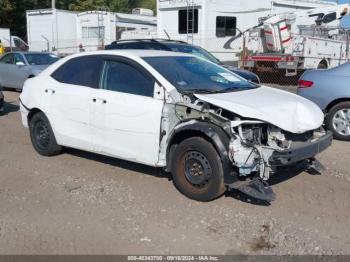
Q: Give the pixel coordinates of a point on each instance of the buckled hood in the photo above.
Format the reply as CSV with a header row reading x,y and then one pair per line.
x,y
285,110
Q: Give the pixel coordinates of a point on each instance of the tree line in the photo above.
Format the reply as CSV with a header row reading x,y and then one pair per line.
x,y
13,16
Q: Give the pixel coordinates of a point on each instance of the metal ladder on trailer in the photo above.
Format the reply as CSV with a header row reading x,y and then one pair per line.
x,y
101,11
190,20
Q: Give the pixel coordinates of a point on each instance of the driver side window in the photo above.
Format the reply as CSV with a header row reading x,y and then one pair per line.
x,y
121,77
7,59
18,58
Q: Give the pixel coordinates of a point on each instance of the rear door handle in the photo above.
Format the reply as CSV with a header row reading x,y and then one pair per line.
x,y
102,101
51,91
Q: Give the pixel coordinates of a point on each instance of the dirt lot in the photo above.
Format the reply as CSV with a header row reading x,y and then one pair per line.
x,y
81,203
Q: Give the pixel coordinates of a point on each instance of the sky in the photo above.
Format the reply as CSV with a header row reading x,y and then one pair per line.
x,y
345,20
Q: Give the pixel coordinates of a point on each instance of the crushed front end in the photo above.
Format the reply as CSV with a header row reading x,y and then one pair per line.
x,y
257,149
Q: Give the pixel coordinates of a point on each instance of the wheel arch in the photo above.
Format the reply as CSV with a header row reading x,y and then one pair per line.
x,y
323,64
32,112
335,102
210,132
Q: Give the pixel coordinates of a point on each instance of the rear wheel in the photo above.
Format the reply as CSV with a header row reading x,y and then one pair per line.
x,y
42,136
338,121
197,170
322,65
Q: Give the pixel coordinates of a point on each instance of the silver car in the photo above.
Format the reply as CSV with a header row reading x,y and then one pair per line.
x,y
330,90
17,67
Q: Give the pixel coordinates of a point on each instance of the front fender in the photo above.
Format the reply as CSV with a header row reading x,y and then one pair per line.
x,y
218,137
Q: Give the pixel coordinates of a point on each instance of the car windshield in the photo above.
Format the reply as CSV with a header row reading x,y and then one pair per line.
x,y
191,74
194,50
41,59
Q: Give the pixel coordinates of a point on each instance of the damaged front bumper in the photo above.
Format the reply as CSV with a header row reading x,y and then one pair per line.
x,y
300,152
257,162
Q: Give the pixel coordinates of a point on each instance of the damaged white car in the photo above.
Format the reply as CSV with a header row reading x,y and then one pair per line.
x,y
210,128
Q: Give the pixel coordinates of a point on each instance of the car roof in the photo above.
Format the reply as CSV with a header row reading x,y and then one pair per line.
x,y
133,52
156,41
28,52
149,40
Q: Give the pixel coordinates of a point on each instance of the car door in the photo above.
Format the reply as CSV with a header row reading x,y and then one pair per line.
x,y
6,70
70,90
20,72
126,117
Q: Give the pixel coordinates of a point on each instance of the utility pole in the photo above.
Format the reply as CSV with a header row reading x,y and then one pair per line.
x,y
53,4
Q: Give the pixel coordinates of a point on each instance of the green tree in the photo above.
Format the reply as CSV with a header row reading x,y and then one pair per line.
x,y
121,6
87,5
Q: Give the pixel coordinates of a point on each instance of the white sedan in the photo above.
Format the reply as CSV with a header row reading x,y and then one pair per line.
x,y
210,128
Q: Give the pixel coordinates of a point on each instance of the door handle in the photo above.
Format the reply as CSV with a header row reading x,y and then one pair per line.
x,y
102,101
50,90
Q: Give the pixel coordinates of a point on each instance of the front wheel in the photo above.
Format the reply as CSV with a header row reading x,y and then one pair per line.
x,y
197,170
42,136
338,121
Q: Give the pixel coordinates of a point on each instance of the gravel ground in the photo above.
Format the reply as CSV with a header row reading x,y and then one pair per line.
x,y
82,203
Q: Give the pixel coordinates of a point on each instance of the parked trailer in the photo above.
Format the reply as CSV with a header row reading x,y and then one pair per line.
x,y
281,43
66,32
52,30
212,24
98,28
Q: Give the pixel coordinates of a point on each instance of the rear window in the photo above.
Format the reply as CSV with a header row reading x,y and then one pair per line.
x,y
83,71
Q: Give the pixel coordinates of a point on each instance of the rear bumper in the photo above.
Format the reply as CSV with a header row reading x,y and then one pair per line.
x,y
302,152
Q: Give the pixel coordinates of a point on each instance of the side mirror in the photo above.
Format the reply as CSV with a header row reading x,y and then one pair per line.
x,y
329,18
19,63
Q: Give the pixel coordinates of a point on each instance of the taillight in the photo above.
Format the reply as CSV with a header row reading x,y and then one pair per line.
x,y
290,58
304,83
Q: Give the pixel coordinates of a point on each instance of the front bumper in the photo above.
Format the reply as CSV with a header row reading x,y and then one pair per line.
x,y
304,151
24,113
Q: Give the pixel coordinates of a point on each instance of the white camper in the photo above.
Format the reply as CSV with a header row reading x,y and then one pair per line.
x,y
212,23
52,30
98,28
66,32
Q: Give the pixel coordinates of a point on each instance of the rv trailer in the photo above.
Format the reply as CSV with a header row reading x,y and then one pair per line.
x,y
212,24
95,29
52,30
65,32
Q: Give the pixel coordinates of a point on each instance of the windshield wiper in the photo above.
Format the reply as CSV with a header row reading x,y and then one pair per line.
x,y
200,91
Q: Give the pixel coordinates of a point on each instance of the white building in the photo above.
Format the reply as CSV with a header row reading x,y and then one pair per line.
x,y
66,32
212,23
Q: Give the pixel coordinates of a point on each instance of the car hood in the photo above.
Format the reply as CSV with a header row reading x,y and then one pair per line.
x,y
285,110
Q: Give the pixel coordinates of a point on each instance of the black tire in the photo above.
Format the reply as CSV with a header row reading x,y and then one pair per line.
x,y
42,136
208,174
322,65
329,120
